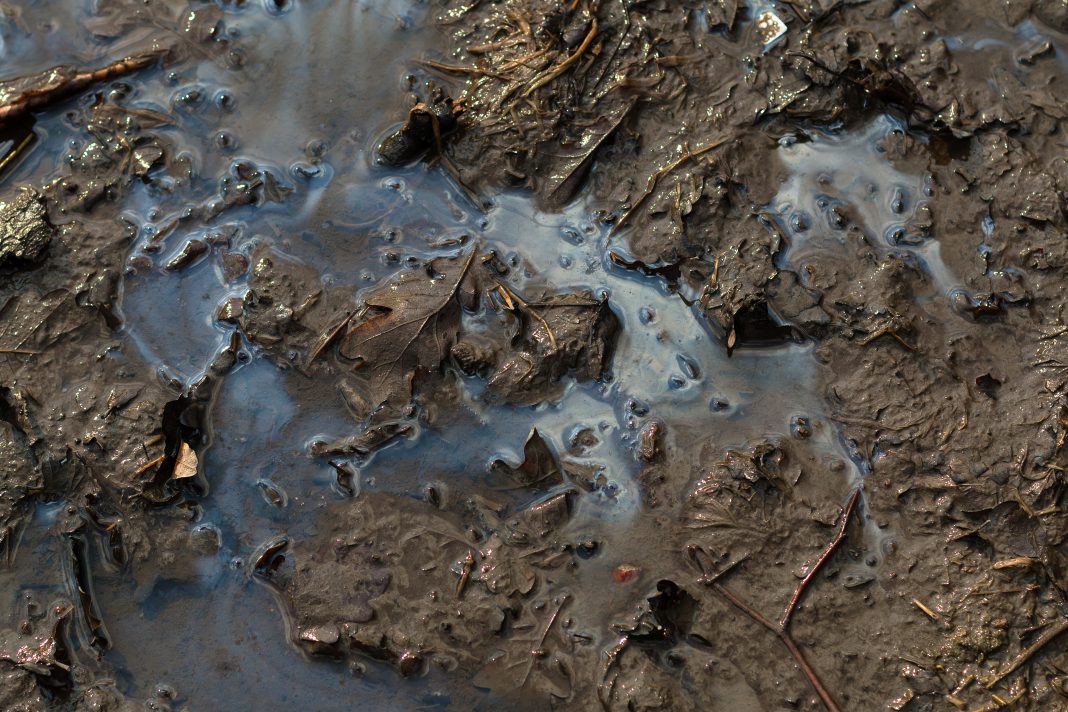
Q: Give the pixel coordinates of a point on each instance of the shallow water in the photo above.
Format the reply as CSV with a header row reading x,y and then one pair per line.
x,y
201,625
843,182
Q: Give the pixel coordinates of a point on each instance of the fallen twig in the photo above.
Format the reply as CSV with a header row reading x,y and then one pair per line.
x,y
1017,662
60,82
831,547
775,628
563,66
780,628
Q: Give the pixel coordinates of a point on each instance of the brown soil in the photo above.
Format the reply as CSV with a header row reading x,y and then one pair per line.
x,y
592,355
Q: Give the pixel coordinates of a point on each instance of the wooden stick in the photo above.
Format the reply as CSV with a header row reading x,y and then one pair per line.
x,y
1027,654
827,552
563,66
775,628
51,92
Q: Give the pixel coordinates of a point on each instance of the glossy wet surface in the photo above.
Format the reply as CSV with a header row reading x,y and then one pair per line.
x,y
201,625
195,622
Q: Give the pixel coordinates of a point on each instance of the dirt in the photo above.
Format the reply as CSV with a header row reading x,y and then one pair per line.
x,y
592,355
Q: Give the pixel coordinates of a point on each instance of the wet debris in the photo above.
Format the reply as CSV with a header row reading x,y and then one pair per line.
x,y
38,647
560,334
38,91
769,27
539,469
25,230
190,252
650,441
428,123
406,328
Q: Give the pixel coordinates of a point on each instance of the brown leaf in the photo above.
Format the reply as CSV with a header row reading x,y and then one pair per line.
x,y
539,466
186,465
407,326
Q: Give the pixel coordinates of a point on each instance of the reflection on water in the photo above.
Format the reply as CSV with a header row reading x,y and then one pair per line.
x,y
308,112
841,183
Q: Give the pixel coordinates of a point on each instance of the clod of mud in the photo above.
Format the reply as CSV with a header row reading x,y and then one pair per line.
x,y
428,123
25,231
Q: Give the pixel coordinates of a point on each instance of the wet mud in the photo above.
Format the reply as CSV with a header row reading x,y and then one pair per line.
x,y
594,355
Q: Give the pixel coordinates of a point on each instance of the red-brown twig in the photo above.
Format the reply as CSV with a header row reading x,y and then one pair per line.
x,y
813,679
827,552
60,82
780,628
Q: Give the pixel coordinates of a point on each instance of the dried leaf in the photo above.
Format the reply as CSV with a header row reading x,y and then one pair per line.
x,y
408,325
186,465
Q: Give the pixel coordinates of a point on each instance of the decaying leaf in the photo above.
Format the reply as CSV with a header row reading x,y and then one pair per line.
x,y
561,333
407,327
539,466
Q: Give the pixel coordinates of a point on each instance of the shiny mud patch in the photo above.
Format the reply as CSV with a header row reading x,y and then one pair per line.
x,y
845,190
293,169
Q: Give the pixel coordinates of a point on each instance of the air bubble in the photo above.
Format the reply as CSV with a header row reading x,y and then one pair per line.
x,y
897,202
718,405
689,367
573,236
637,407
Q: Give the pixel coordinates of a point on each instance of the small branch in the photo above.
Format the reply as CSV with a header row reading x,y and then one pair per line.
x,y
52,90
827,552
780,628
563,66
1027,654
798,657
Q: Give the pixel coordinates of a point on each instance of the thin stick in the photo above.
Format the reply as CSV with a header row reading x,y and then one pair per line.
x,y
508,41
827,552
458,69
655,178
511,296
563,66
150,464
1026,655
799,658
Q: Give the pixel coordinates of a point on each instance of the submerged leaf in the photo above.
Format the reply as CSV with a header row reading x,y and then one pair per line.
x,y
408,326
539,466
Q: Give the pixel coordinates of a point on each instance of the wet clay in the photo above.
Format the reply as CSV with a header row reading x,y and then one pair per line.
x,y
585,355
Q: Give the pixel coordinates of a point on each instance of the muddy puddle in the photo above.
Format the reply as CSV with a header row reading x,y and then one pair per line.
x,y
398,355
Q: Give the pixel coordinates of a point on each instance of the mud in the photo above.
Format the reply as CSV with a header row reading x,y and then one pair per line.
x,y
595,355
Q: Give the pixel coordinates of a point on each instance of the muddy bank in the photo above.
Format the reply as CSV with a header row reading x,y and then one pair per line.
x,y
585,356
